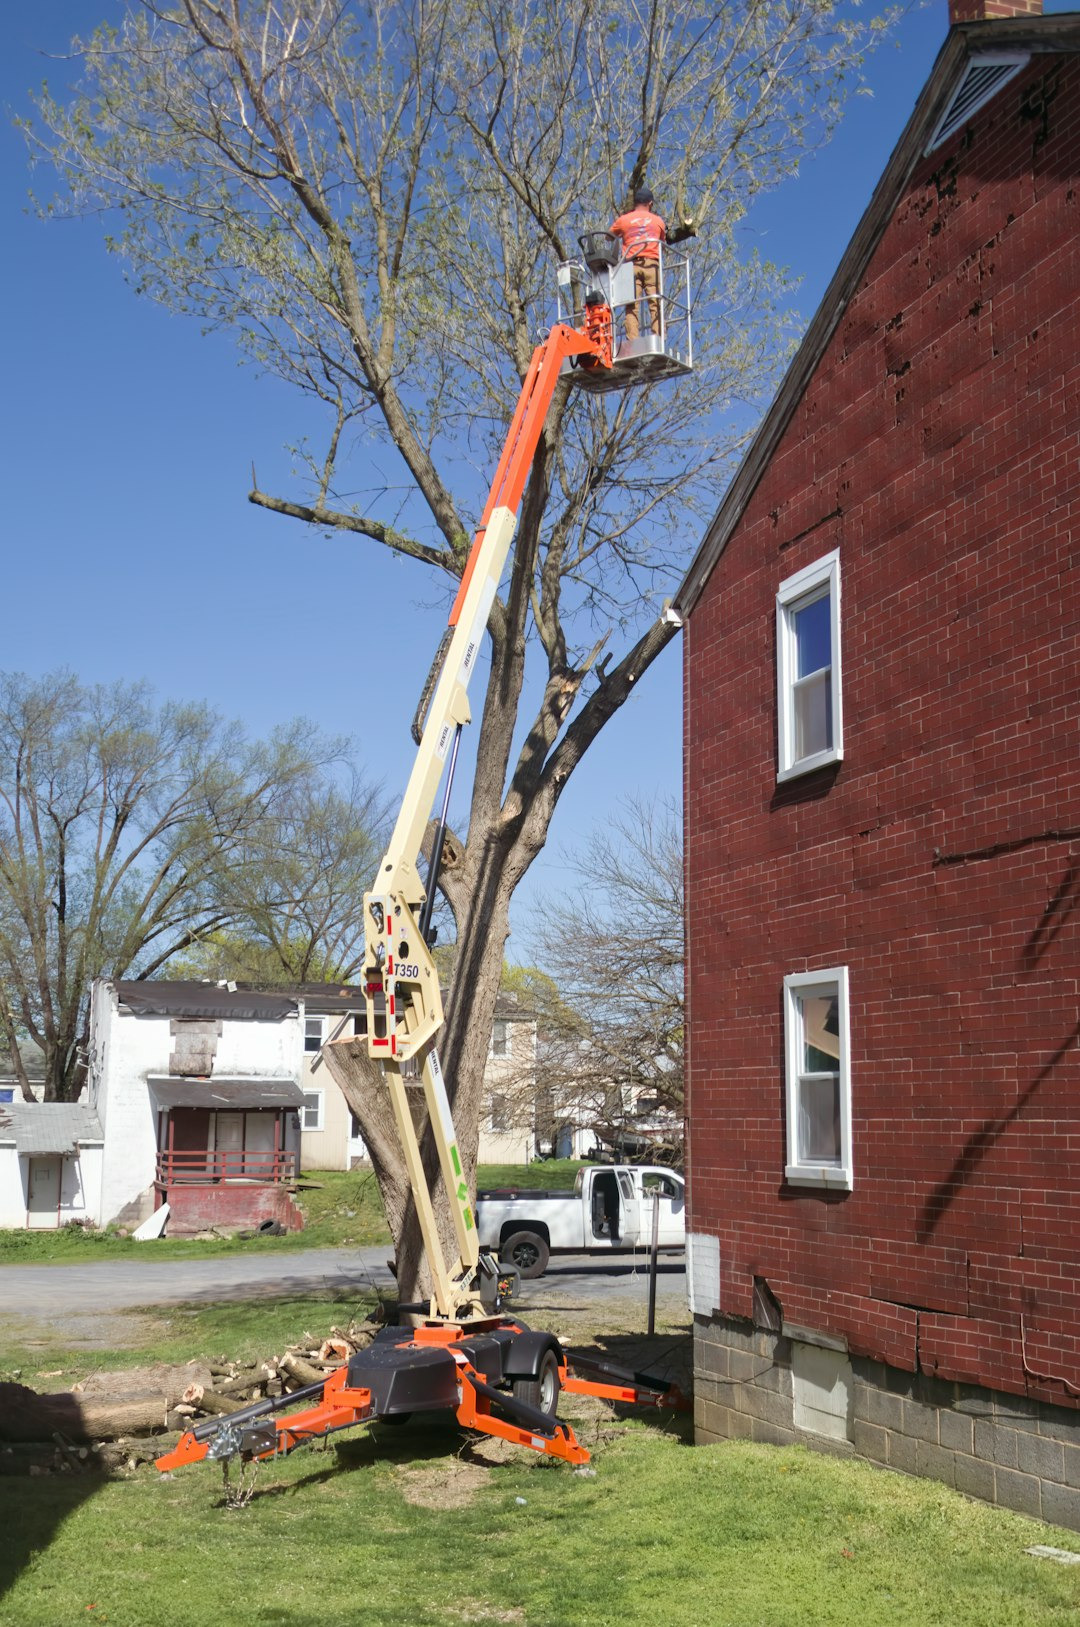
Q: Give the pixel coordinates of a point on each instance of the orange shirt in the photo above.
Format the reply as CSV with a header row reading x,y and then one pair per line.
x,y
642,232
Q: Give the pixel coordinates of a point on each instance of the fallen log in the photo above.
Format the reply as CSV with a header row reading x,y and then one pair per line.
x,y
213,1402
27,1416
302,1371
242,1384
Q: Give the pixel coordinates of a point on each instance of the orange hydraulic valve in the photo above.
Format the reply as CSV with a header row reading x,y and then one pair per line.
x,y
600,332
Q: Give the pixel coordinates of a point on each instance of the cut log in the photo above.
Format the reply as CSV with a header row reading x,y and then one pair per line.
x,y
212,1402
25,1416
302,1371
242,1384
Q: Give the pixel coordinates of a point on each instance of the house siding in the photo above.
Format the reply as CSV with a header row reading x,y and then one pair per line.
x,y
936,449
125,1050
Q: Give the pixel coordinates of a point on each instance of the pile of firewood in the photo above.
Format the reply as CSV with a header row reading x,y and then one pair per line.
x,y
72,1430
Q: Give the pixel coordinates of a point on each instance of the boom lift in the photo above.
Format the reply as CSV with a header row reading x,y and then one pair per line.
x,y
498,1376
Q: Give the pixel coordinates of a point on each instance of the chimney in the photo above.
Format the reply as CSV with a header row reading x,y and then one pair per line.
x,y
984,11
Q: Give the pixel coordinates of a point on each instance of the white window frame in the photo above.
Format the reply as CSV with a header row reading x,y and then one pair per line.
x,y
811,583
306,1108
499,1117
309,1018
834,981
502,1023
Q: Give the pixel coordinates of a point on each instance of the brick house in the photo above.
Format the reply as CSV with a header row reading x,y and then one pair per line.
x,y
883,842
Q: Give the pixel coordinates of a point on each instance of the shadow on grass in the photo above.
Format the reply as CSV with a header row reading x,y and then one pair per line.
x,y
421,1440
664,1358
32,1510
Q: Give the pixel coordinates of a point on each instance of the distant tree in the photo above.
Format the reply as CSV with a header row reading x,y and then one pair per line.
x,y
295,888
373,197
614,947
120,824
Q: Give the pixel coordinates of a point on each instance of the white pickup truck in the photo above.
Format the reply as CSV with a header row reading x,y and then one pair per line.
x,y
610,1208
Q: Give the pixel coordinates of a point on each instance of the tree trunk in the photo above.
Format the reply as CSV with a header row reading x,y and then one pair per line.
x,y
463,1049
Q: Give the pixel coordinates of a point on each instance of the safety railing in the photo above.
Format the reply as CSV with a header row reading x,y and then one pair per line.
x,y
663,353
184,1168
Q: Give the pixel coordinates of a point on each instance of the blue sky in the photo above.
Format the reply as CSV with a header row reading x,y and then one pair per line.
x,y
129,549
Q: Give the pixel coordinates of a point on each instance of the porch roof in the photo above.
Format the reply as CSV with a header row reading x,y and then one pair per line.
x,y
227,1092
42,1129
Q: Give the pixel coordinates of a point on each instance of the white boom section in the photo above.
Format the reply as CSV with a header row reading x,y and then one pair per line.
x,y
401,983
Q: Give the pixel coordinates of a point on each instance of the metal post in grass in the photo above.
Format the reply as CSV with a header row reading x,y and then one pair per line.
x,y
654,1251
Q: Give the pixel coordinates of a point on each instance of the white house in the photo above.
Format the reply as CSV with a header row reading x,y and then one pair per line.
x,y
197,1091
50,1163
330,1133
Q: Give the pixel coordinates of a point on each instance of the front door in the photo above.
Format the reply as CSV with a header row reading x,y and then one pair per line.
x,y
44,1193
259,1146
229,1145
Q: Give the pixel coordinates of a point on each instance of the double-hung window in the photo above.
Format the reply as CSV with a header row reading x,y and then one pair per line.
x,y
810,716
311,1114
314,1033
500,1037
817,1047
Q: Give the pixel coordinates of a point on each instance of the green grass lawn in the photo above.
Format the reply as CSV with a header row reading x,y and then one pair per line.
x,y
237,1330
412,1528
421,1527
341,1209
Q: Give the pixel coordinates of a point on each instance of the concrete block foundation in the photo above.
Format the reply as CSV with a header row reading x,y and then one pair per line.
x,y
750,1384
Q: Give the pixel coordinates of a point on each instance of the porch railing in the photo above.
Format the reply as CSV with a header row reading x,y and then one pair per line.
x,y
180,1168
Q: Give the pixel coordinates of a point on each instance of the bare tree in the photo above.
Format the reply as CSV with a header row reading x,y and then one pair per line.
x,y
118,824
374,197
614,950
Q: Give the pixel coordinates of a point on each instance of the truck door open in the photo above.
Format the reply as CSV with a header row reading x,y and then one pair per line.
x,y
631,1209
667,1193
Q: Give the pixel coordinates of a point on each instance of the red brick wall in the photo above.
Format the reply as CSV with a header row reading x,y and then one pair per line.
x,y
937,448
199,1208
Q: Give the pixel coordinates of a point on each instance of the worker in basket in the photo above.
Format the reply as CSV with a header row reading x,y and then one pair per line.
x,y
641,233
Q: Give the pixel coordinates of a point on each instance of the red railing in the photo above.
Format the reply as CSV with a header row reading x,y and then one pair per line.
x,y
180,1168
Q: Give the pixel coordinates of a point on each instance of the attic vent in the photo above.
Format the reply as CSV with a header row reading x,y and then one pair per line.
x,y
983,78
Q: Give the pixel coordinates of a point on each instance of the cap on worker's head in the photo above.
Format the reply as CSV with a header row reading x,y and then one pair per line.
x,y
643,194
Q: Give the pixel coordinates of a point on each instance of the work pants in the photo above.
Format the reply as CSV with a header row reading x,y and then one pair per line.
x,y
646,285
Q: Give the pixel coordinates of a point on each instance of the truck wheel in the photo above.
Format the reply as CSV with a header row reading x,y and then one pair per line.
x,y
528,1252
543,1390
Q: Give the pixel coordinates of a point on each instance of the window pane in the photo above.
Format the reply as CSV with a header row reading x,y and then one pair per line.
x,y
820,1034
813,714
819,1118
813,636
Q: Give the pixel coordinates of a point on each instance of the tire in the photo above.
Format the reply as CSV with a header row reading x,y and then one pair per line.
x,y
543,1390
528,1251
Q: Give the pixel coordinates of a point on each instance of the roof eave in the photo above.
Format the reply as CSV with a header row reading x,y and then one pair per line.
x,y
1034,34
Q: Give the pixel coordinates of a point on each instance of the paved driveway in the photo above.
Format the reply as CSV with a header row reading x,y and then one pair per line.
x,y
118,1285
